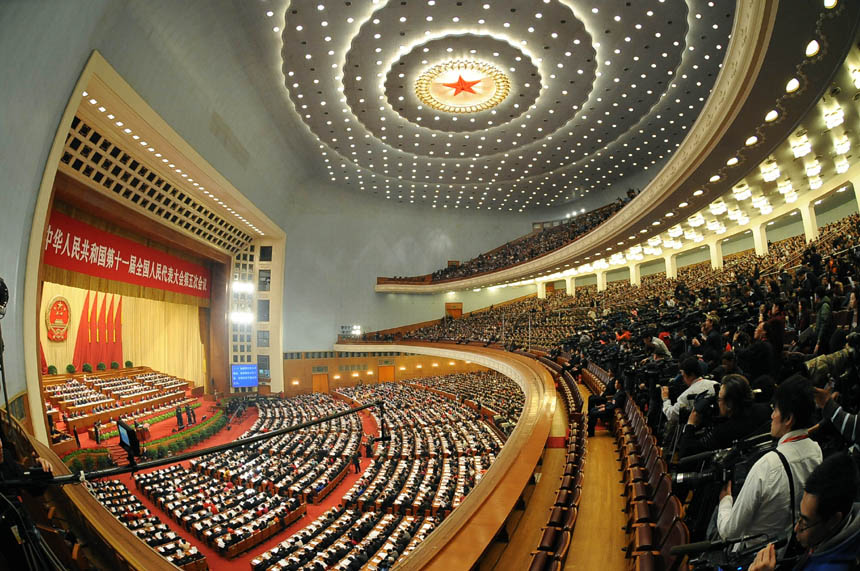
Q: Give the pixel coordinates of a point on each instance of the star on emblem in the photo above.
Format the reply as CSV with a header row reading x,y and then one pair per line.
x,y
462,85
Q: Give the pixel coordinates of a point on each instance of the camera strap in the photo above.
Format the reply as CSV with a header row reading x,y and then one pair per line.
x,y
785,465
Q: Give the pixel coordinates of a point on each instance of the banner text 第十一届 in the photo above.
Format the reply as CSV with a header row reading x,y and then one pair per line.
x,y
73,245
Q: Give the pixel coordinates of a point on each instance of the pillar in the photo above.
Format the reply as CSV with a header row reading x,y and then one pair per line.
x,y
810,226
635,276
716,248
671,266
601,281
570,286
760,239
541,290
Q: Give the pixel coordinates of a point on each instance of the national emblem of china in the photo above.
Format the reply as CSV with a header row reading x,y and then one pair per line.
x,y
462,86
57,318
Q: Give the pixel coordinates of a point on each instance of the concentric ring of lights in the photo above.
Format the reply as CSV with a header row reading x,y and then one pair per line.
x,y
501,86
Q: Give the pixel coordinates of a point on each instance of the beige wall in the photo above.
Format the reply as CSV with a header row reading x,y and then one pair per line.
x,y
298,372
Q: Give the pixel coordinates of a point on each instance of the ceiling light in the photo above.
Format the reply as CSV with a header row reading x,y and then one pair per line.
x,y
790,197
841,164
717,207
771,115
830,3
801,146
834,117
813,168
732,161
742,191
784,186
792,85
815,182
769,171
842,146
714,178
812,48
751,141
699,192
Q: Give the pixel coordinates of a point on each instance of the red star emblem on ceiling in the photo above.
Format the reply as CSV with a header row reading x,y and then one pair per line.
x,y
462,85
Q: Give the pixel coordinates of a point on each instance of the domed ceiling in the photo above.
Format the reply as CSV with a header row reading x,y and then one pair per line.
x,y
499,105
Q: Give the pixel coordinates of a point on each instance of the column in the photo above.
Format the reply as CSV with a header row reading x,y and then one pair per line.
x,y
671,265
856,185
716,248
601,281
635,276
570,286
760,239
810,226
541,290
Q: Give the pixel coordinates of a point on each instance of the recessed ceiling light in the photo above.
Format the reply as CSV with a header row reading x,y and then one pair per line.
x,y
812,48
771,115
699,192
751,141
792,85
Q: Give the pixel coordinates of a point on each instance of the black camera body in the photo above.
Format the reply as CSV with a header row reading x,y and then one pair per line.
x,y
732,463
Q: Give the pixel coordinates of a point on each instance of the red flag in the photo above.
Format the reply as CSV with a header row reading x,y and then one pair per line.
x,y
111,337
92,346
101,348
82,340
44,361
117,331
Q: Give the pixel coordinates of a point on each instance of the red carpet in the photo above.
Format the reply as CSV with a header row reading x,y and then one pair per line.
x,y
242,562
555,442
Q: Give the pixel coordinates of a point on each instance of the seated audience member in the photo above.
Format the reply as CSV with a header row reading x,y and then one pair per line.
x,y
612,399
764,503
828,526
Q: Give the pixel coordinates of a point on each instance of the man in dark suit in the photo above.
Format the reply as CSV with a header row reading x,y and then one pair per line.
x,y
179,417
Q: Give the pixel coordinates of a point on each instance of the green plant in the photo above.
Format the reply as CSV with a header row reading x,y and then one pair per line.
x,y
89,463
102,461
114,365
101,366
87,368
70,369
159,452
129,364
52,370
76,466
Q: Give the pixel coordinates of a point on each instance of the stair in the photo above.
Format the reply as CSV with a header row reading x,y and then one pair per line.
x,y
118,455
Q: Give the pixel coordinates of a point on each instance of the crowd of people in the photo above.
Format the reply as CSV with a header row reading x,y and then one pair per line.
x,y
120,502
530,246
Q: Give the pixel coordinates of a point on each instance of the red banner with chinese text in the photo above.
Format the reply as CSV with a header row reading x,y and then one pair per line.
x,y
73,245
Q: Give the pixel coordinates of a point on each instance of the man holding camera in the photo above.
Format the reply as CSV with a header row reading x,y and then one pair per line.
x,y
772,489
691,373
739,417
828,527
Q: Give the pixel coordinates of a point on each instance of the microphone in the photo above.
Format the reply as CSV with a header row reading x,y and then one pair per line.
x,y
705,546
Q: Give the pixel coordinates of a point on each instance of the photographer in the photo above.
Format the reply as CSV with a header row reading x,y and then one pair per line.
x,y
656,347
828,526
710,343
739,417
602,407
764,504
691,373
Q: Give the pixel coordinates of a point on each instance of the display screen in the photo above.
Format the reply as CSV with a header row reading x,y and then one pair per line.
x,y
244,375
123,434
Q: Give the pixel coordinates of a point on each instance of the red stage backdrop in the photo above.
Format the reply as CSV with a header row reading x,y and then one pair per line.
x,y
73,245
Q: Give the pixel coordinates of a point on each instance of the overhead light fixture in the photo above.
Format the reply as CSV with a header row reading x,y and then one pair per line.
x,y
842,146
841,165
834,117
815,182
812,48
784,186
718,207
801,146
792,85
813,168
769,170
742,191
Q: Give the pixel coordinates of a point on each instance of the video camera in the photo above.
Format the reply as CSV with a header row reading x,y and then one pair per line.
x,y
726,464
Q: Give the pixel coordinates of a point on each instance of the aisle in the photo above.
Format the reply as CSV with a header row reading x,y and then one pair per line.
x,y
599,537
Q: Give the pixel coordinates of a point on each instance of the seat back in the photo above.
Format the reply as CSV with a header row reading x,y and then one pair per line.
x,y
662,493
671,513
678,534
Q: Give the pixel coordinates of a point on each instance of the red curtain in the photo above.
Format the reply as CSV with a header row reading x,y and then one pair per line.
x,y
102,347
82,341
117,332
111,337
44,363
92,345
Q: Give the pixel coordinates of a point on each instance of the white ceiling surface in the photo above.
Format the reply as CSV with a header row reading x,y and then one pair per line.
x,y
599,90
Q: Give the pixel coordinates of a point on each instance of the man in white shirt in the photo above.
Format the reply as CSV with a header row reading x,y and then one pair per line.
x,y
763,505
691,373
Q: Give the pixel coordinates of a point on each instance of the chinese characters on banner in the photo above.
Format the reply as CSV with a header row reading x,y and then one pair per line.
x,y
73,245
